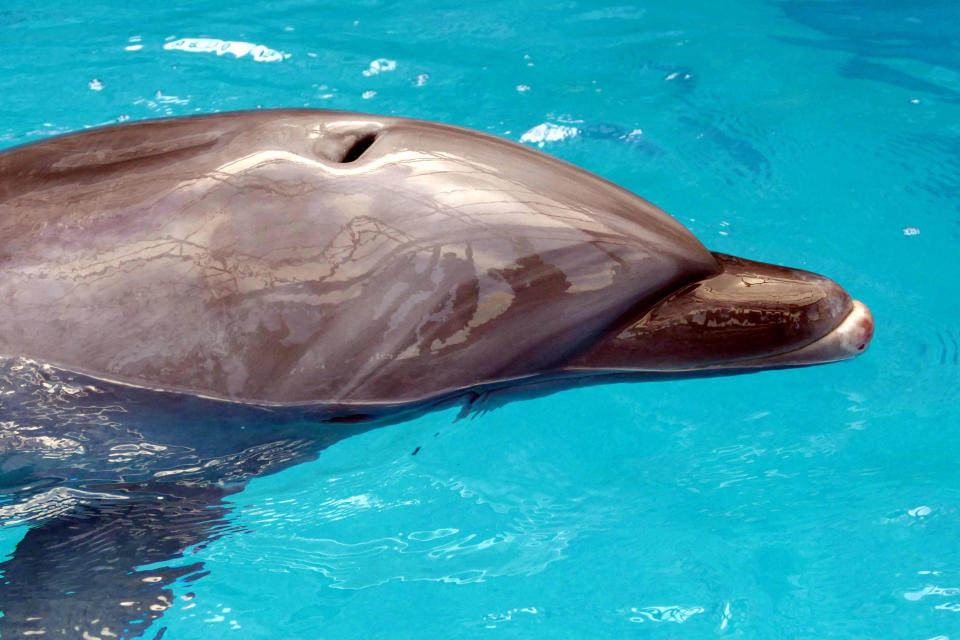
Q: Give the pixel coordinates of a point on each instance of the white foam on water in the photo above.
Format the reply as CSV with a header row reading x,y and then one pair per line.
x,y
236,48
548,132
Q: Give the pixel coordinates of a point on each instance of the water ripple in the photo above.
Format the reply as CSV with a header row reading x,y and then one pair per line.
x,y
238,49
672,613
548,132
52,503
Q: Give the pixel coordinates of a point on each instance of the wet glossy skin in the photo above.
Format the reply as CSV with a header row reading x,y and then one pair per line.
x,y
325,257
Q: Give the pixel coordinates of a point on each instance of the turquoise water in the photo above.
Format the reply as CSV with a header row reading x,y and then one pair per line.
x,y
811,503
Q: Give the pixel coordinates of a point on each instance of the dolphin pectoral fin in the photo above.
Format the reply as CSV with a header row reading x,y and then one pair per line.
x,y
80,574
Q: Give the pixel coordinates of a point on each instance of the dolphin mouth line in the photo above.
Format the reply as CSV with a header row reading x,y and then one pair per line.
x,y
848,339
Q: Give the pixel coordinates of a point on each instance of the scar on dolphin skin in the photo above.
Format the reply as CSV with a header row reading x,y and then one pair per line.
x,y
224,296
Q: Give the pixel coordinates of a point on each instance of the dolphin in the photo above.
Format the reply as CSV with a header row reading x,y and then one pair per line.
x,y
355,261
191,302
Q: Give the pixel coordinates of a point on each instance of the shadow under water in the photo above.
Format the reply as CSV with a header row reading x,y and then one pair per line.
x,y
112,479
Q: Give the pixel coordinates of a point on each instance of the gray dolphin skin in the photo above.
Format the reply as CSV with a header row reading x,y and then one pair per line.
x,y
187,304
340,259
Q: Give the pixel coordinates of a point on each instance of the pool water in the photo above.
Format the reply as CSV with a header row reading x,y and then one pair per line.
x,y
813,503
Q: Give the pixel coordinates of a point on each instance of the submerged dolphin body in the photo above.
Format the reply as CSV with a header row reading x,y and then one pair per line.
x,y
183,302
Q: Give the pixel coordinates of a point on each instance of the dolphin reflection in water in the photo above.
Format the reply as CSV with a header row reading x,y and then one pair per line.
x,y
192,302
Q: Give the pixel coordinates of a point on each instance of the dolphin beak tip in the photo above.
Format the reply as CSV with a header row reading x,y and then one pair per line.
x,y
857,329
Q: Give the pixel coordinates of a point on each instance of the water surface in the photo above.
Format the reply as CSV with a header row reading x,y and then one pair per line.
x,y
793,504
